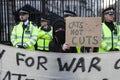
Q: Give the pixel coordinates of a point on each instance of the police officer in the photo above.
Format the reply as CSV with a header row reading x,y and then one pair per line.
x,y
111,32
24,34
44,35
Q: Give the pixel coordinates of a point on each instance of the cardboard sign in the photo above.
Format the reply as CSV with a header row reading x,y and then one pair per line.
x,y
20,64
81,31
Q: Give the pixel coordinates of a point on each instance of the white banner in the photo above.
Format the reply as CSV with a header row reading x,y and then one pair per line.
x,y
20,64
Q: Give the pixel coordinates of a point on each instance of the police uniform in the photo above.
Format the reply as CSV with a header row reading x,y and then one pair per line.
x,y
24,35
44,36
110,34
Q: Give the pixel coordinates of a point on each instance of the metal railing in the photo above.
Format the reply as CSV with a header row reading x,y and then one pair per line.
x,y
50,9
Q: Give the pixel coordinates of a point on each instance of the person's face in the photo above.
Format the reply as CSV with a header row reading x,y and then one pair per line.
x,y
109,17
24,17
44,23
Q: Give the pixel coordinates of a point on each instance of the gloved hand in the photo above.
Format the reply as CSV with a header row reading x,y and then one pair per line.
x,y
17,45
111,49
115,49
25,45
65,46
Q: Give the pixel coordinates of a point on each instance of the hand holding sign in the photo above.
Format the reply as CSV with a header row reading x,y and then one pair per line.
x,y
65,46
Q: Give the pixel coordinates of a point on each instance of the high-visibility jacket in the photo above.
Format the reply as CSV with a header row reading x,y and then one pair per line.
x,y
43,39
29,36
110,39
78,48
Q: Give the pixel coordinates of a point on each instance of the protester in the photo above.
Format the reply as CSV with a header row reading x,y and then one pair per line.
x,y
58,43
24,34
111,32
44,35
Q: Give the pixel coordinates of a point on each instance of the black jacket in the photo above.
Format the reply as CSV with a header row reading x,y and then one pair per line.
x,y
59,38
56,47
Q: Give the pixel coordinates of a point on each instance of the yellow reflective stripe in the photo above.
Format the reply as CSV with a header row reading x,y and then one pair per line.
x,y
43,44
118,45
19,43
13,38
34,35
107,45
13,35
110,37
16,27
33,39
43,47
32,42
49,34
27,36
114,37
31,28
78,49
118,37
102,31
107,38
44,39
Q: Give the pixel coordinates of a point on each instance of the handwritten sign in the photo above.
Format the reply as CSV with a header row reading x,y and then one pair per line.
x,y
20,64
81,31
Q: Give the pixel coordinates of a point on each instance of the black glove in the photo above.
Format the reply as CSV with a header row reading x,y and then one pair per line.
x,y
111,49
115,49
20,46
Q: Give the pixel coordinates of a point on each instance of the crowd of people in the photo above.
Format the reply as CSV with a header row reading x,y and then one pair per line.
x,y
52,38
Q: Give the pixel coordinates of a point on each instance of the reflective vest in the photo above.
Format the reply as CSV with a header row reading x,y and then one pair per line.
x,y
107,40
43,39
29,38
78,49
